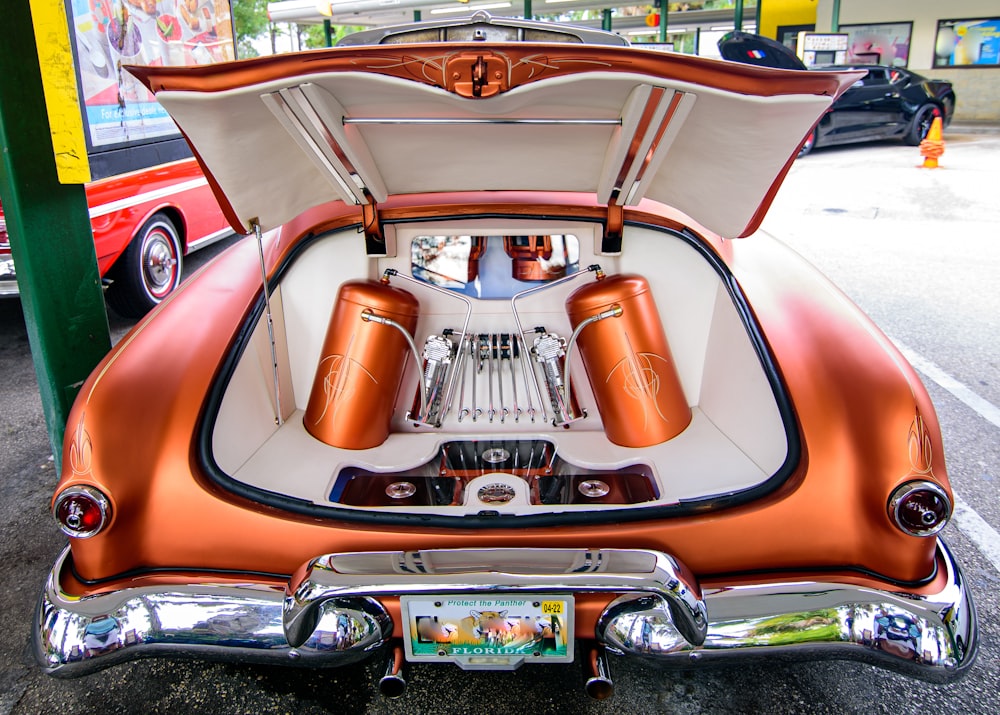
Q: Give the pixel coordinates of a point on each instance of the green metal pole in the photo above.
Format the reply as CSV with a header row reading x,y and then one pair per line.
x,y
417,16
328,32
527,9
50,235
738,15
835,17
756,16
606,19
663,21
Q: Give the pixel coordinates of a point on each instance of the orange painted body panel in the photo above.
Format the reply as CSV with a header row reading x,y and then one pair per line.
x,y
855,399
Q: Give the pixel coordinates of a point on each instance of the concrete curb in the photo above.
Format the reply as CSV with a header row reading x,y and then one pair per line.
x,y
969,127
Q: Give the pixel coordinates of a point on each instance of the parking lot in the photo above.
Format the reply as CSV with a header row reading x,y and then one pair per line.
x,y
918,249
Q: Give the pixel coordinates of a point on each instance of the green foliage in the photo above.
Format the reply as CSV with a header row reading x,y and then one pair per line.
x,y
314,36
250,22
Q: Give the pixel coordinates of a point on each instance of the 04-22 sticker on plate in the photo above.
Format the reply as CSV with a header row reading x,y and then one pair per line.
x,y
495,632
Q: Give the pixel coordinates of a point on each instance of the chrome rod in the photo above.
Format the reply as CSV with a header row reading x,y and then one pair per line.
x,y
513,353
472,359
491,354
278,419
459,372
504,354
599,275
445,121
477,367
525,361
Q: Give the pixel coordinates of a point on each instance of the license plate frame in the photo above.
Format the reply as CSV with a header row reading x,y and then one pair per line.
x,y
489,632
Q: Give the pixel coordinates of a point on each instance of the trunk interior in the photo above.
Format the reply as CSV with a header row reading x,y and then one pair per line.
x,y
670,402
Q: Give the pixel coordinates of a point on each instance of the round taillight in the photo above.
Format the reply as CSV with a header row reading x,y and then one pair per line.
x,y
81,511
920,508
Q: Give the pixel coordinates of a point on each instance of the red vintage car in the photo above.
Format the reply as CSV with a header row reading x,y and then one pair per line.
x,y
144,222
499,387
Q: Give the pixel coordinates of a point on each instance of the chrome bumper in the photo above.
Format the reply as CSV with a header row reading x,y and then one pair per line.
x,y
8,279
330,614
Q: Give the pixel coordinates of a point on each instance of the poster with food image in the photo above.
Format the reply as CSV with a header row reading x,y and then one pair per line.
x,y
110,34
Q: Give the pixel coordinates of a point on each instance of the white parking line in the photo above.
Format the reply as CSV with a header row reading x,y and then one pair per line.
x,y
985,409
984,536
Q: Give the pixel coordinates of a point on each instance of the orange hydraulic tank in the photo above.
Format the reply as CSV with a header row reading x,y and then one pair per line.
x,y
361,366
628,362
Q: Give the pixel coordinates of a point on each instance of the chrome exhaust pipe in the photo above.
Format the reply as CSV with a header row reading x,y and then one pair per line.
x,y
393,682
599,685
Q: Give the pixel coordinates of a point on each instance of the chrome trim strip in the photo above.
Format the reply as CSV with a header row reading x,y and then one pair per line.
x,y
145,197
933,637
302,120
210,239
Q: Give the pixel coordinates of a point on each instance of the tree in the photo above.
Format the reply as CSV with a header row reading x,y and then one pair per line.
x,y
250,22
315,36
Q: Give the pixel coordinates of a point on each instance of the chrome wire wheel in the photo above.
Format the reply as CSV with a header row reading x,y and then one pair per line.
x,y
149,270
160,260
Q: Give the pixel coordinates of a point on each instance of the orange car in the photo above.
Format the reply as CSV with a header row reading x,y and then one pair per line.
x,y
512,394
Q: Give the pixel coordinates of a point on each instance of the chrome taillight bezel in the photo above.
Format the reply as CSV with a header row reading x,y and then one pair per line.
x,y
902,494
94,495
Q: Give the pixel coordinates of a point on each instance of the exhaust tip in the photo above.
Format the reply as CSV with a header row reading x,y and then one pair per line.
x,y
393,682
392,686
599,688
599,685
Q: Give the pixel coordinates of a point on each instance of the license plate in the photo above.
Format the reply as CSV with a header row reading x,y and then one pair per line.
x,y
489,633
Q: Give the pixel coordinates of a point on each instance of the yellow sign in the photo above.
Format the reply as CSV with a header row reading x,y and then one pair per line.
x,y
552,608
62,100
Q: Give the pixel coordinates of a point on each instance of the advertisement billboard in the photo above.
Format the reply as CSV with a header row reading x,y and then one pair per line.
x,y
125,128
968,43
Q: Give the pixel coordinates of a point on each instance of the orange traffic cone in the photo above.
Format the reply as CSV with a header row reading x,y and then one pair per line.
x,y
932,147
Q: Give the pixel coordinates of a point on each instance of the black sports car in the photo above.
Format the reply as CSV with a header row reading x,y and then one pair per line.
x,y
887,103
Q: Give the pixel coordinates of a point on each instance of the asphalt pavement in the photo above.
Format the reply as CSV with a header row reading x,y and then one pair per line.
x,y
918,249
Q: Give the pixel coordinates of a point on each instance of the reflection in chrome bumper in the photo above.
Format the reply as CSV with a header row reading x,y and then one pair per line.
x,y
329,615
931,637
240,623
